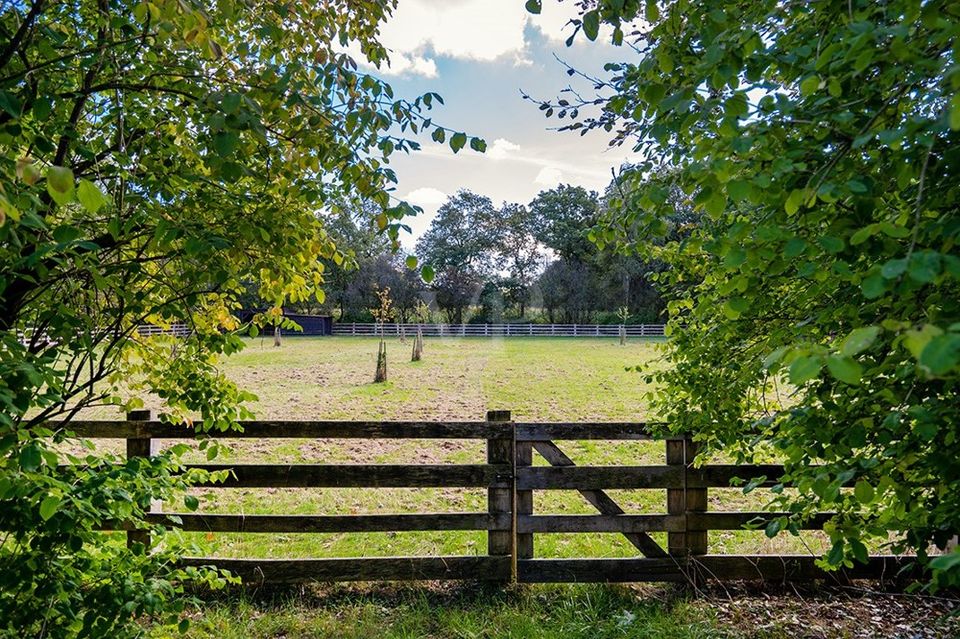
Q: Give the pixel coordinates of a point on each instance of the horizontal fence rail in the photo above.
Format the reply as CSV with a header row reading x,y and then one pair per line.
x,y
500,330
511,525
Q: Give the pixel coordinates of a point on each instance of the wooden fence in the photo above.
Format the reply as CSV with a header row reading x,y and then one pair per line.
x,y
510,479
501,330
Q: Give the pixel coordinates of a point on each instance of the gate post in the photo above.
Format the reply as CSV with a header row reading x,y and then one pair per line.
x,y
500,500
685,500
141,447
523,502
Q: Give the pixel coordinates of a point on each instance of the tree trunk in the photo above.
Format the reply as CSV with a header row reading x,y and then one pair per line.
x,y
623,335
381,375
417,346
276,336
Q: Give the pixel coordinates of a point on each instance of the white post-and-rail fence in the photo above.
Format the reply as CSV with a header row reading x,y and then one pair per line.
x,y
501,330
451,330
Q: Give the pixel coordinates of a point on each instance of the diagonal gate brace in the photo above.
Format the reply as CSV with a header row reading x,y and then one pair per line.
x,y
600,500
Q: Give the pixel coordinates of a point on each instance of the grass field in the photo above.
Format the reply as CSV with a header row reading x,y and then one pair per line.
x,y
538,379
459,379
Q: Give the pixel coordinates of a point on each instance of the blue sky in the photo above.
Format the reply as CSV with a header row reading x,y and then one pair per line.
x,y
479,54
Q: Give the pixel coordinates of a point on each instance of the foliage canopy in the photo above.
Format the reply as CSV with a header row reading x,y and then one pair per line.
x,y
816,305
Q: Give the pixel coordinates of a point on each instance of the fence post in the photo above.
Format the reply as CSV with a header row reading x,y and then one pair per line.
x,y
141,447
684,500
500,500
523,501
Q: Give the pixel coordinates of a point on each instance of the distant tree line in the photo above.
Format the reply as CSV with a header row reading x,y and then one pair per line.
x,y
534,262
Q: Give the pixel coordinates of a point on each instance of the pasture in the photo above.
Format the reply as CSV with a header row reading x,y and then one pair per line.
x,y
538,379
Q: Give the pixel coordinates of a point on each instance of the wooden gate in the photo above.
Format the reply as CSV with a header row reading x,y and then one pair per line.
x,y
510,478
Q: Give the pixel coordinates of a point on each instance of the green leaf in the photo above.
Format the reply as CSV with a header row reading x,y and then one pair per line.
x,y
859,340
809,85
191,502
49,506
478,144
30,458
894,268
942,354
955,112
735,307
946,562
591,24
652,11
231,102
794,200
411,262
427,273
916,340
845,369
60,184
863,491
924,266
804,368
458,141
90,196
225,142
873,286
533,6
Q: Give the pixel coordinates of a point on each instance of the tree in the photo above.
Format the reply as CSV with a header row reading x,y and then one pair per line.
x,y
568,291
562,217
156,158
462,235
460,244
518,252
820,141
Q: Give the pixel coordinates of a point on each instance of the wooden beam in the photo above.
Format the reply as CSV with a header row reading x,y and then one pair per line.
x,y
361,475
500,498
290,429
547,431
233,523
597,498
705,567
641,477
599,523
287,571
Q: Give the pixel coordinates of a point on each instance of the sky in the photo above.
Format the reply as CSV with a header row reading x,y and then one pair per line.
x,y
479,55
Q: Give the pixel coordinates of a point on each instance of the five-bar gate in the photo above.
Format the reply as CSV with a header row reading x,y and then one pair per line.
x,y
510,478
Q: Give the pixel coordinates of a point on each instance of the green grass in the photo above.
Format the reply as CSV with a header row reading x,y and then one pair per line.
x,y
459,379
538,379
458,611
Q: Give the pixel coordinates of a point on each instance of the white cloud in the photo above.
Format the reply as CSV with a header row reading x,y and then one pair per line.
x,y
501,149
549,176
426,197
401,64
467,29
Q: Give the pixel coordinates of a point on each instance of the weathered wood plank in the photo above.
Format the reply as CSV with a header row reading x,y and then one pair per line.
x,y
362,475
277,571
597,498
232,523
685,500
524,504
598,477
293,429
547,431
500,499
141,447
637,477
739,520
599,523
703,567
